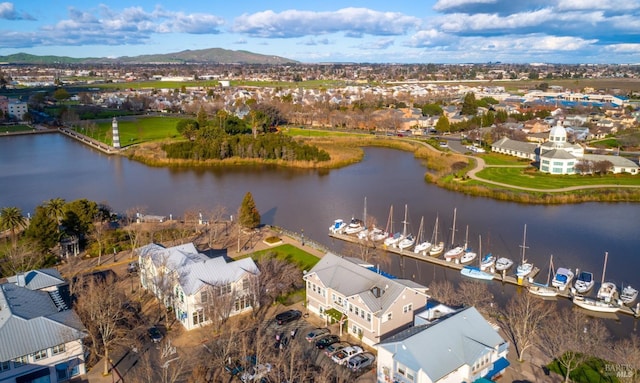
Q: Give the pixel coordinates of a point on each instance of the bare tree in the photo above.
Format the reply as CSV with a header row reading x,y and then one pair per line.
x,y
20,258
471,293
626,352
277,277
570,338
443,291
101,307
602,167
522,320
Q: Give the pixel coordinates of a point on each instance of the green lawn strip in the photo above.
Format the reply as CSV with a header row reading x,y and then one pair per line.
x,y
139,130
592,371
537,180
289,253
291,131
15,128
502,159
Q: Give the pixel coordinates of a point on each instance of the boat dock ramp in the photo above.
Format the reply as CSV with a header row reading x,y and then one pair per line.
x,y
503,277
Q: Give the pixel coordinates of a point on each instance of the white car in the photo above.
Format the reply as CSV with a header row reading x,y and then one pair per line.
x,y
343,355
256,372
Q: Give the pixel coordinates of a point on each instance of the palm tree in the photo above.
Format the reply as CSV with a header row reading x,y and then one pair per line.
x,y
11,218
55,208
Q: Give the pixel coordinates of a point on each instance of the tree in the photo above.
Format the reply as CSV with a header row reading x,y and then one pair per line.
x,y
469,105
249,216
570,338
201,117
102,309
443,124
55,208
61,94
188,128
11,219
602,167
20,258
443,291
522,320
626,352
43,230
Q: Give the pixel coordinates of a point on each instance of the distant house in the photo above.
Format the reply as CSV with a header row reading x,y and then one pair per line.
x,y
195,286
456,347
40,336
374,305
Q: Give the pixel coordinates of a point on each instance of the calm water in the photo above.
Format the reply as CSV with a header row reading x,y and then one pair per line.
x,y
37,168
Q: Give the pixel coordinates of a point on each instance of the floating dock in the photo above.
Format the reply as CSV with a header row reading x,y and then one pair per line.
x,y
501,277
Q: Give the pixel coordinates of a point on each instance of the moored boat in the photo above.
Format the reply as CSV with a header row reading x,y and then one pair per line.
x,y
584,282
437,247
338,226
422,244
628,295
503,264
456,250
524,268
562,278
545,290
475,272
407,239
596,305
354,226
608,291
488,262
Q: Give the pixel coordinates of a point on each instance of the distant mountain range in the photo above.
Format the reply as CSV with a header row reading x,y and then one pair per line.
x,y
202,56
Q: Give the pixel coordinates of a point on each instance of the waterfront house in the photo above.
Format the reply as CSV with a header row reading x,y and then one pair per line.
x,y
40,335
196,287
370,304
457,347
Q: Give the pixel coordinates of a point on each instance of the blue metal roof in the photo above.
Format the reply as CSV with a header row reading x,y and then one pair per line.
x,y
498,366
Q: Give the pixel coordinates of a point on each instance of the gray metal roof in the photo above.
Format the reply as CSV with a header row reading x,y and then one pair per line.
x,y
196,270
452,342
617,161
557,154
30,321
39,279
519,146
351,279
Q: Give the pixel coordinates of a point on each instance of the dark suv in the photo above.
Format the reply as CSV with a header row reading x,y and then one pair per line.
x,y
288,316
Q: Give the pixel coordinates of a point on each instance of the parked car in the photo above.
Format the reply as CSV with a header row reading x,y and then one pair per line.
x,y
335,347
288,316
343,355
234,368
326,341
316,333
255,373
154,334
361,361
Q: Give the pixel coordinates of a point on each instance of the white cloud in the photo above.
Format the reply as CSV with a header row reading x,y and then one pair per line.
x,y
8,12
443,5
355,22
564,5
624,48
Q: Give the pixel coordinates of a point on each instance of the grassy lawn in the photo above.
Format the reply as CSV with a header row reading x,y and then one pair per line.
x,y
137,130
502,159
289,253
291,131
158,85
592,371
15,128
537,180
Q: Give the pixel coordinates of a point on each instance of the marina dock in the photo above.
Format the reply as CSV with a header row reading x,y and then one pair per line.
x,y
503,277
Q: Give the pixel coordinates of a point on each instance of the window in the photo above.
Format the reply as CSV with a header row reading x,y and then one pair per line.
x,y
350,308
242,303
55,350
407,308
198,317
368,317
357,311
4,366
204,296
40,354
20,361
362,314
224,289
389,316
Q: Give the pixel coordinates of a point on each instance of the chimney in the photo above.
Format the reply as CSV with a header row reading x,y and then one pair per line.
x,y
20,279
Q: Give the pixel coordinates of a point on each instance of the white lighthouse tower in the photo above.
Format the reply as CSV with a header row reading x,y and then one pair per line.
x,y
116,134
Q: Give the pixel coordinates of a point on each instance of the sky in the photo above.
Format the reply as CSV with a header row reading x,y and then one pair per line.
x,y
372,31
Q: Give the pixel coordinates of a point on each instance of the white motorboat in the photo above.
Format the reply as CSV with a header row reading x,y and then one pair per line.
x,y
378,234
562,279
355,226
422,245
584,282
524,268
596,305
338,226
488,262
628,295
503,264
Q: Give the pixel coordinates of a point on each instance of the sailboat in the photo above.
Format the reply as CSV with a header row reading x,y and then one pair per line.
x,y
422,244
364,233
455,251
608,291
468,255
437,247
407,239
392,238
524,268
476,272
544,290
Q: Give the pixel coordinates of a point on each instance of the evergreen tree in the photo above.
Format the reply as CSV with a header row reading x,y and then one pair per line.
x,y
443,124
43,230
249,214
469,105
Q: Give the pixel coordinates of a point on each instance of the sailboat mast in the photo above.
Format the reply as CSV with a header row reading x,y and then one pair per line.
x,y
404,228
453,229
604,268
550,269
364,215
524,241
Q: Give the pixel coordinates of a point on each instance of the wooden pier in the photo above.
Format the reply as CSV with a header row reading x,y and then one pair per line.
x,y
503,277
104,148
